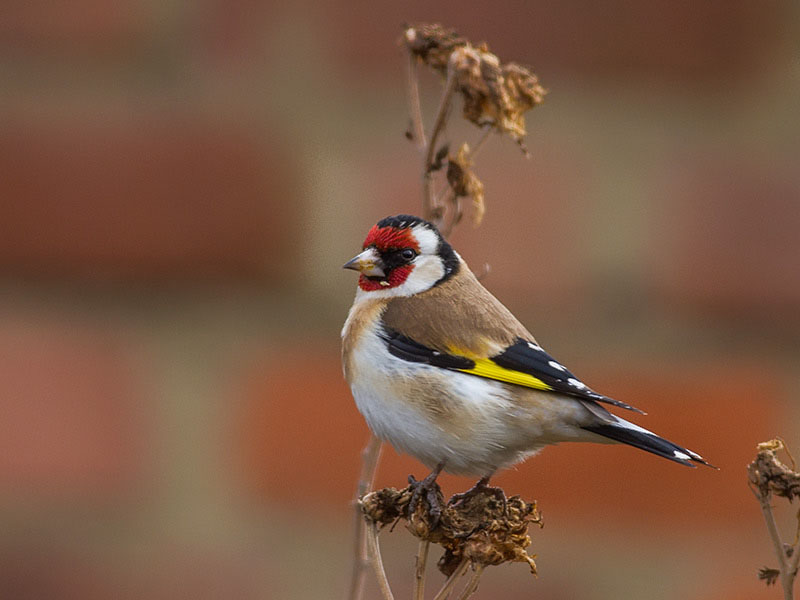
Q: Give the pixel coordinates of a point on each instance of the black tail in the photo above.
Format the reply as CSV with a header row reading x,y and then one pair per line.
x,y
636,436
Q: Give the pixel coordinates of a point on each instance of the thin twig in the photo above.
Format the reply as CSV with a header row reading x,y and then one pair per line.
x,y
787,571
377,561
791,571
487,131
444,593
429,209
774,535
422,559
785,448
472,585
369,464
448,199
417,126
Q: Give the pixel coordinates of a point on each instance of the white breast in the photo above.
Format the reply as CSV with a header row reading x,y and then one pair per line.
x,y
474,425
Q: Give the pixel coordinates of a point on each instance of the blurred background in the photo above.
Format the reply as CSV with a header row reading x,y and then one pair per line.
x,y
180,183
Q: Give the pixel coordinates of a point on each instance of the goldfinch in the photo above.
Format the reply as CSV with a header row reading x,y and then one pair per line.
x,y
443,371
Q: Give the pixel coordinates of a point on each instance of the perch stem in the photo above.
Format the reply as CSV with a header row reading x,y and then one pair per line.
x,y
472,585
369,464
417,127
377,562
787,572
419,575
444,593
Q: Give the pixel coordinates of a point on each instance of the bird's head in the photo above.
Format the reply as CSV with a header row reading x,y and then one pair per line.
x,y
402,256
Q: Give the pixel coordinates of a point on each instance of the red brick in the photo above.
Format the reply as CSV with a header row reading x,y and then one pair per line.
x,y
671,41
726,242
300,432
149,197
71,400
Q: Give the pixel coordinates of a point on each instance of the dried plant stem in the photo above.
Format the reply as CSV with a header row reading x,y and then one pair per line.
x,y
377,562
788,569
444,593
487,131
429,208
446,199
417,126
795,562
472,585
369,464
419,574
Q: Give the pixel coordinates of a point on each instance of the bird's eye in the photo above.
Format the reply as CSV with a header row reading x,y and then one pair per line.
x,y
408,254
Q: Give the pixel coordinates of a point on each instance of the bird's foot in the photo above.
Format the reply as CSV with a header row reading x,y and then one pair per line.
x,y
431,492
481,487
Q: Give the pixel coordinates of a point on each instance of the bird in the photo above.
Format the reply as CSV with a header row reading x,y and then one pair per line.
x,y
443,371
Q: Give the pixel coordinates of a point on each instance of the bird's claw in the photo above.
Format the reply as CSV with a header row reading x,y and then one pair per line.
x,y
426,488
481,487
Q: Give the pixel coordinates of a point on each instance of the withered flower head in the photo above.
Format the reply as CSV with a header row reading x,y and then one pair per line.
x,y
465,183
432,43
481,526
494,93
769,475
385,506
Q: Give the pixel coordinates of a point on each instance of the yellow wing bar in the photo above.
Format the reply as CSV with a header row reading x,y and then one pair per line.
x,y
491,370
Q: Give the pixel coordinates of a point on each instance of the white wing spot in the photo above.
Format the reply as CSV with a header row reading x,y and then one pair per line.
x,y
575,383
536,347
556,365
681,455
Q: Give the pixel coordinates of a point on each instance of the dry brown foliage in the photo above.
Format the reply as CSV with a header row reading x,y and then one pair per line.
x,y
494,93
484,527
495,97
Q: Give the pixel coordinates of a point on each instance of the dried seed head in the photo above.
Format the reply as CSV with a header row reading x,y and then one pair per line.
x,y
497,535
432,43
770,476
481,526
465,183
385,506
494,93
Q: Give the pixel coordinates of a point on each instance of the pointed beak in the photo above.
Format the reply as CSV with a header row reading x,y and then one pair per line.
x,y
368,262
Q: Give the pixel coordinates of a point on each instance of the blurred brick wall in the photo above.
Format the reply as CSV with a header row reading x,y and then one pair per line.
x,y
180,184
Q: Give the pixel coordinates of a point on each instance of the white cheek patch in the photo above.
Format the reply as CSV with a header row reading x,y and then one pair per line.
x,y
427,271
428,240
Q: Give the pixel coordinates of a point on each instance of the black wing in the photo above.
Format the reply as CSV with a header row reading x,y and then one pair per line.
x,y
519,360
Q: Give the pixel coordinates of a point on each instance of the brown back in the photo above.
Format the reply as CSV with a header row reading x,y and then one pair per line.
x,y
458,313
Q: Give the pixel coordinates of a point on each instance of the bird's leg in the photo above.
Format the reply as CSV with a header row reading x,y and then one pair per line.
x,y
430,489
